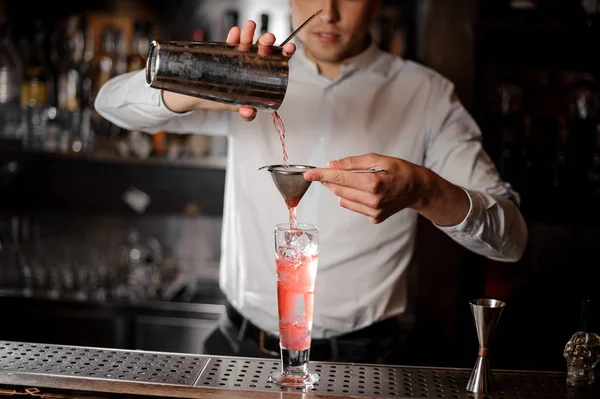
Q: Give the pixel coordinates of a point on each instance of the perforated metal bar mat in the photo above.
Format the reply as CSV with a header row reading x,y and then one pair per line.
x,y
182,375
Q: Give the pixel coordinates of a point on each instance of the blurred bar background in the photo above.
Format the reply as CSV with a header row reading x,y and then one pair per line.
x,y
112,237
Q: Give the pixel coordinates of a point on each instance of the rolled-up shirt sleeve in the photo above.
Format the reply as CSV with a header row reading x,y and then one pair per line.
x,y
494,226
128,102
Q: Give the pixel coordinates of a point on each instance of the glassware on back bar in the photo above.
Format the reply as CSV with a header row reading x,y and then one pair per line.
x,y
297,251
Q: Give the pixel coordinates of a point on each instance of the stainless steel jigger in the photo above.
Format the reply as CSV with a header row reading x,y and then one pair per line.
x,y
486,313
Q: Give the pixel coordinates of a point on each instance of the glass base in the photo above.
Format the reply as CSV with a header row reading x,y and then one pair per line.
x,y
294,371
280,378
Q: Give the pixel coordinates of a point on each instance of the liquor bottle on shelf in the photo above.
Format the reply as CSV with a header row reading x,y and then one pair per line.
x,y
584,101
106,62
562,160
11,69
87,64
37,87
264,23
138,49
105,69
70,88
231,18
199,35
594,173
120,54
86,70
582,352
510,127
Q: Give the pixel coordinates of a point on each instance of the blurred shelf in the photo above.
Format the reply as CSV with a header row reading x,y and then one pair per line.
x,y
97,183
207,162
153,325
191,162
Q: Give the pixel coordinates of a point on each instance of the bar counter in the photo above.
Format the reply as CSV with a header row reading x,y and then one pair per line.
x,y
53,371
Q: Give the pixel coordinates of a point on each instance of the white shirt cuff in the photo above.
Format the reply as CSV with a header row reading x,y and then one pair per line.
x,y
164,109
140,93
461,225
474,221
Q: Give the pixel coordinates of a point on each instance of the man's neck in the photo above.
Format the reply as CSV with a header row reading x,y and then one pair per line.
x,y
329,70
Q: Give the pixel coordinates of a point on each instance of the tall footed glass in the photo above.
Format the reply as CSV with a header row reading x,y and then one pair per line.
x,y
296,252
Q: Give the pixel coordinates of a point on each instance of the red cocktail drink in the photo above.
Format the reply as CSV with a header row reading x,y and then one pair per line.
x,y
296,252
295,296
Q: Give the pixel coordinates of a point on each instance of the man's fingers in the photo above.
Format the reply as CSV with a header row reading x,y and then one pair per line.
x,y
243,38
265,44
289,49
340,177
268,39
248,113
247,34
367,161
372,214
326,175
353,194
233,37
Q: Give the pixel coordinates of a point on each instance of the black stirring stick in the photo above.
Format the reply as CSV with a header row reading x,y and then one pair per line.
x,y
300,28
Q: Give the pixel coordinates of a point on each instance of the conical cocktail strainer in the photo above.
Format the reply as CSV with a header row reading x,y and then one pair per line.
x,y
289,180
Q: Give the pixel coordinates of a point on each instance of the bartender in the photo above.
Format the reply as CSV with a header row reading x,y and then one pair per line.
x,y
348,105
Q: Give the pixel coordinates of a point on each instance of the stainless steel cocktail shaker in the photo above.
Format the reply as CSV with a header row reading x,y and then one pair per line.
x,y
219,72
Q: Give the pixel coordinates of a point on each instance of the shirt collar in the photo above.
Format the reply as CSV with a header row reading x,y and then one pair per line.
x,y
364,60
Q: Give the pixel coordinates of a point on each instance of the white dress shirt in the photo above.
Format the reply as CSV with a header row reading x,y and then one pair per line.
x,y
379,103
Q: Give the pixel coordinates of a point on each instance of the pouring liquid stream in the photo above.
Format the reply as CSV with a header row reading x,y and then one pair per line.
x,y
293,202
281,132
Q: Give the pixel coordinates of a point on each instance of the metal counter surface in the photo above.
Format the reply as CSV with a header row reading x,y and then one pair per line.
x,y
30,369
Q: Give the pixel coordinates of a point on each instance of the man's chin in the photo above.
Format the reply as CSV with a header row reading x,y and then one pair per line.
x,y
325,56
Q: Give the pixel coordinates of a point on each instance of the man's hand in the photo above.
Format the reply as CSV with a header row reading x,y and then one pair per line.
x,y
401,185
243,39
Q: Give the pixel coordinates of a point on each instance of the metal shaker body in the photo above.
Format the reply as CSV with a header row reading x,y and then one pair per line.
x,y
219,72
